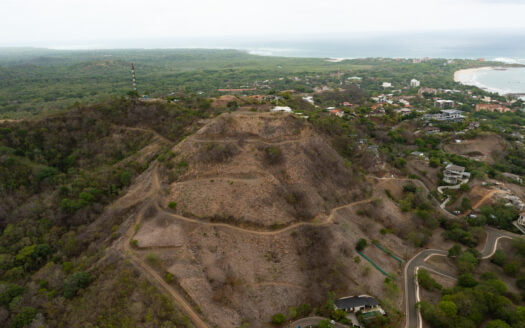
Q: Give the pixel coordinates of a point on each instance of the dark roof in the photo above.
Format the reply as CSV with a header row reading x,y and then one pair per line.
x,y
355,301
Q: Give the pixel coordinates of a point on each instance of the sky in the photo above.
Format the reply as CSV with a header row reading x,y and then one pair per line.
x,y
54,22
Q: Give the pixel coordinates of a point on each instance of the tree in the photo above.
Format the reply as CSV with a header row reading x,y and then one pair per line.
x,y
75,282
278,319
361,244
449,308
454,251
467,280
24,317
498,324
498,258
426,281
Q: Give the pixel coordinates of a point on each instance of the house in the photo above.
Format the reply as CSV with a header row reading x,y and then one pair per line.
x,y
492,108
284,109
405,102
386,85
361,303
419,155
309,99
521,218
337,112
451,115
444,104
473,125
424,90
432,130
454,174
403,111
414,83
513,177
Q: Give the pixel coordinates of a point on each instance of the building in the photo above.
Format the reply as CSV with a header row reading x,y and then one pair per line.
x,y
513,177
432,130
284,109
414,83
423,90
387,85
403,111
309,99
454,174
521,218
450,115
362,303
444,104
337,112
492,108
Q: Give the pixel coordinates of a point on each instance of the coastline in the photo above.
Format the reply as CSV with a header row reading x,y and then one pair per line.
x,y
459,76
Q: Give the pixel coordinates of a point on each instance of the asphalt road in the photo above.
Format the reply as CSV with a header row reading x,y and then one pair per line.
x,y
413,316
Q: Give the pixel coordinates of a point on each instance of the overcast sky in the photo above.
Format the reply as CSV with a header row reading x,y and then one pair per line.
x,y
41,22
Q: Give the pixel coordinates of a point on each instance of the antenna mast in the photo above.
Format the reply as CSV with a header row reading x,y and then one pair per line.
x,y
133,78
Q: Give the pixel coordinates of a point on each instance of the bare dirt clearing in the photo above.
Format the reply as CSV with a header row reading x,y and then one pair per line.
x,y
486,148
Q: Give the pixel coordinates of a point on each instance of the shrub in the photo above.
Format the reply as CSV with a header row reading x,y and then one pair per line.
x,y
426,281
361,244
24,317
172,205
75,282
273,155
278,319
169,277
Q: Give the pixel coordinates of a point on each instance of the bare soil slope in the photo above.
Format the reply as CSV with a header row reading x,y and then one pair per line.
x,y
261,170
486,148
266,218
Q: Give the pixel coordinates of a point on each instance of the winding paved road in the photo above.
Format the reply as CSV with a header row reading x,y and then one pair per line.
x,y
413,316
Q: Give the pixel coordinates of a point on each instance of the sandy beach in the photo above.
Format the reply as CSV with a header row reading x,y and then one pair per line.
x,y
462,76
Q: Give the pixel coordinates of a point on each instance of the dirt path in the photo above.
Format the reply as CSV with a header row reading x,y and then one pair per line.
x,y
327,221
155,133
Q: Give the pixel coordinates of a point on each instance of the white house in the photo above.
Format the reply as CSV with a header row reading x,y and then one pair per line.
x,y
521,219
454,174
284,109
387,85
414,83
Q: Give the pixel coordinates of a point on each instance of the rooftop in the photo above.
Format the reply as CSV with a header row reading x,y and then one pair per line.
x,y
355,301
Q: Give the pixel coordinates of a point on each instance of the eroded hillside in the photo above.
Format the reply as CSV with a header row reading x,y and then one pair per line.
x,y
256,213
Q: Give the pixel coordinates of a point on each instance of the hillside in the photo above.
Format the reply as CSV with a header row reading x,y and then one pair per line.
x,y
255,213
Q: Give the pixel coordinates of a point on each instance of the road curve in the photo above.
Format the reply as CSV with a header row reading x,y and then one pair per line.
x,y
413,316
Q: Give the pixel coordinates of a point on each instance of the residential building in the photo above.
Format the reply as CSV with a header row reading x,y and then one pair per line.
x,y
444,104
454,174
521,218
337,112
387,85
284,109
450,115
423,90
362,303
309,99
403,111
414,83
432,130
492,108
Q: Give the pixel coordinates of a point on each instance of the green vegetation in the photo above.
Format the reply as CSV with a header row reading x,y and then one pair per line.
x,y
57,175
361,244
278,319
426,281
